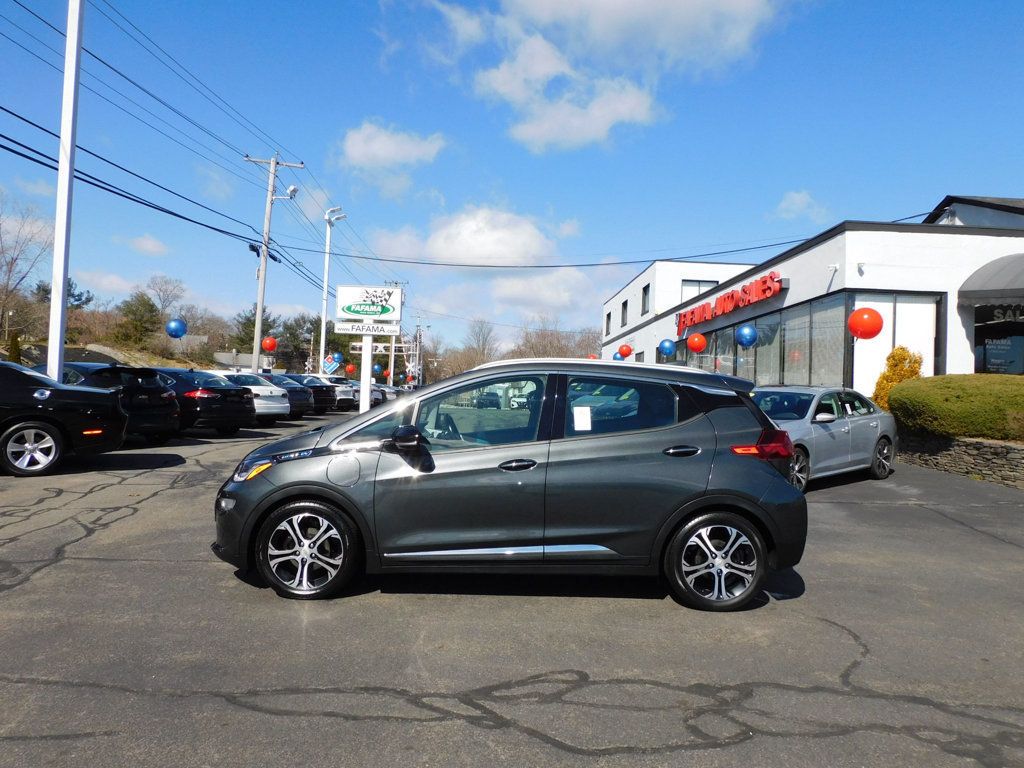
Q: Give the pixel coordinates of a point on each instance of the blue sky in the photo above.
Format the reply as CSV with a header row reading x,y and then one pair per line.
x,y
520,132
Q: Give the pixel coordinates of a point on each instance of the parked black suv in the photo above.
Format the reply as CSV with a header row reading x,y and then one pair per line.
x,y
683,477
209,400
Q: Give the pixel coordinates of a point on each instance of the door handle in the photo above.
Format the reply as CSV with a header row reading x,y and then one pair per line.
x,y
874,424
682,450
517,465
845,429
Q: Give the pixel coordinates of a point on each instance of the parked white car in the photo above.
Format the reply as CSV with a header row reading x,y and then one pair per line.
x,y
345,398
271,401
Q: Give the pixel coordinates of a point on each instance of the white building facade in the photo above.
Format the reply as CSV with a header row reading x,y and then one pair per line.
x,y
914,275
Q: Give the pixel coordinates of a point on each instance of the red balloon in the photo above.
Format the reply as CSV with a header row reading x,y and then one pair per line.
x,y
591,357
865,323
697,343
796,356
386,374
350,368
410,379
269,344
625,350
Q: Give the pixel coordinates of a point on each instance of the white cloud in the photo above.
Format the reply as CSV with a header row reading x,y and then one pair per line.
x,y
37,187
569,228
571,122
104,282
373,147
800,205
148,245
467,28
572,70
215,184
549,293
476,235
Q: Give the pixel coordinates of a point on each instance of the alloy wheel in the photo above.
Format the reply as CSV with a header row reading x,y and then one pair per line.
x,y
799,470
719,562
883,458
31,449
305,551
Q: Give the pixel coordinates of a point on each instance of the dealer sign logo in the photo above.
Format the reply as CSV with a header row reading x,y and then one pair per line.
x,y
758,289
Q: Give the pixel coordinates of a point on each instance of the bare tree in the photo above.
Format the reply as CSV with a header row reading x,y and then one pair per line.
x,y
166,292
479,345
25,239
546,339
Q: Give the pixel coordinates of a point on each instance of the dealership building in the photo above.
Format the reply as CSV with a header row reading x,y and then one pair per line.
x,y
950,289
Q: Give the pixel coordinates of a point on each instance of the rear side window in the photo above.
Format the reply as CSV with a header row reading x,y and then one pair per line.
x,y
854,404
602,406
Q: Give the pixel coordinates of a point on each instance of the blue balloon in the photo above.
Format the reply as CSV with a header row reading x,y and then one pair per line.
x,y
746,335
377,370
176,328
667,347
617,356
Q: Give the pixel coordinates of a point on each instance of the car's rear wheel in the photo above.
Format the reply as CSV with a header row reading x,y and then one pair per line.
x,y
800,468
307,550
31,448
881,459
716,562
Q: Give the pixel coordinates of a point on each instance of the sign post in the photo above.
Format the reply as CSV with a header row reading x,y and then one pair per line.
x,y
368,310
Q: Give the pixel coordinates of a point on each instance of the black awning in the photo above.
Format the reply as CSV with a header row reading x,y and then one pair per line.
x,y
998,282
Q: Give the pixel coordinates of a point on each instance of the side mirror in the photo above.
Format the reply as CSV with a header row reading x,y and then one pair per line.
x,y
824,418
408,438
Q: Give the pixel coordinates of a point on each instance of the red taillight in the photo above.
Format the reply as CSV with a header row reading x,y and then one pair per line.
x,y
201,393
772,444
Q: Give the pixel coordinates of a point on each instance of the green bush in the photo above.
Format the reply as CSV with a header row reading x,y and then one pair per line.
x,y
968,405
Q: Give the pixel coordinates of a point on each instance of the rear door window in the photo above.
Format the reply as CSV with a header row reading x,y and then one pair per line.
x,y
598,405
855,405
829,403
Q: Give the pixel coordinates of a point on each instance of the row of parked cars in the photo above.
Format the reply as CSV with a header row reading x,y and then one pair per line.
x,y
96,404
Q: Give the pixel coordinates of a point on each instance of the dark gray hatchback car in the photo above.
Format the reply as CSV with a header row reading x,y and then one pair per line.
x,y
612,468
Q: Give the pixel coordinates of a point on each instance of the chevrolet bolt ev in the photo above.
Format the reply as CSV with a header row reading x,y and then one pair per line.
x,y
611,468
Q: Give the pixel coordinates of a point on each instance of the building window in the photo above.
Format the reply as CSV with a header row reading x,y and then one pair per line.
x,y
828,338
608,324
691,288
999,339
645,300
769,342
796,345
725,351
639,357
625,313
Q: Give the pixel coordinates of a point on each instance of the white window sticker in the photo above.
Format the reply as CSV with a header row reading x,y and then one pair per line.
x,y
581,418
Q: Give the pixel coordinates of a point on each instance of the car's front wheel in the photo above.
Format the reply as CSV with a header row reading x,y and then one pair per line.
x,y
716,562
307,549
800,469
31,448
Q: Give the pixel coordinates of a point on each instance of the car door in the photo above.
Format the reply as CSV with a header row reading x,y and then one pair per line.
x,y
830,441
863,419
476,491
626,453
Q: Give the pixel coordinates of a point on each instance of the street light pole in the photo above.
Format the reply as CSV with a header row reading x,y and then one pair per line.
x,y
65,183
274,164
331,215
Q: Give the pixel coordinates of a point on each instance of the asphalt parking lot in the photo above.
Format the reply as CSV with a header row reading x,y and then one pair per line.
x,y
123,642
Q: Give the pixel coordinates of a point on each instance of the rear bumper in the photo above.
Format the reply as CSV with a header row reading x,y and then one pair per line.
x,y
272,409
787,509
153,423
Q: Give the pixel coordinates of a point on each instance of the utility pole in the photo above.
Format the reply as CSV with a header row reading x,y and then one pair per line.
x,y
275,162
331,215
65,184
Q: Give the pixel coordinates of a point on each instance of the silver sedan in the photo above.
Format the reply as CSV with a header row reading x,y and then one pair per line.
x,y
833,430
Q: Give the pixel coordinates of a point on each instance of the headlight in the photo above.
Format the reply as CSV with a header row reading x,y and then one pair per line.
x,y
249,468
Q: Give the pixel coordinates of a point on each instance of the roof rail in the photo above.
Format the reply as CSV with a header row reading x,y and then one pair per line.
x,y
586,361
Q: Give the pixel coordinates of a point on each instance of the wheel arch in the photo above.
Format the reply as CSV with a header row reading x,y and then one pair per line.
x,y
309,492
745,508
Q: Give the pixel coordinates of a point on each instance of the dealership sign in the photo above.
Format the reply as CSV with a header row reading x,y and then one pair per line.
x,y
758,289
360,303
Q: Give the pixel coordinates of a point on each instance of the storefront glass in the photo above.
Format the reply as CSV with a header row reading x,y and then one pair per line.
x,y
828,337
769,343
725,350
999,339
796,344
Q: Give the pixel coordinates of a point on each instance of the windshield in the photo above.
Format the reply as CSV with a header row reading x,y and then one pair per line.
x,y
784,406
247,380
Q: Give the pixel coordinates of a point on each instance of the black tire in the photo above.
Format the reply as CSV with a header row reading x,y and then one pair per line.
x,y
46,454
800,469
341,543
232,430
744,570
882,459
